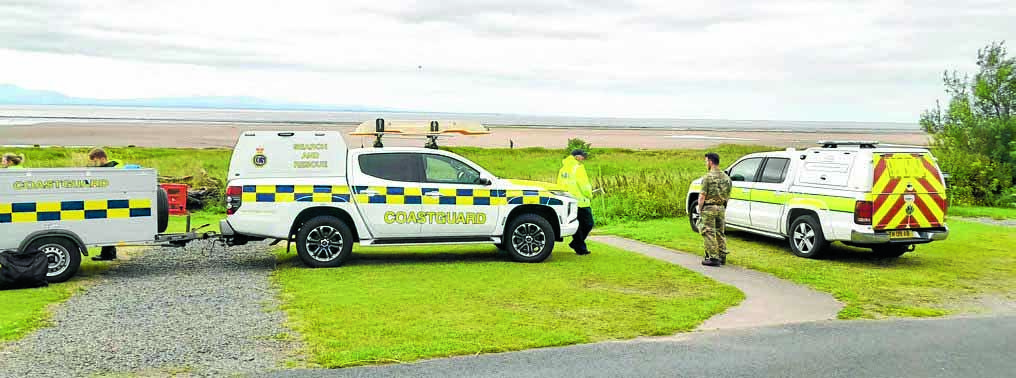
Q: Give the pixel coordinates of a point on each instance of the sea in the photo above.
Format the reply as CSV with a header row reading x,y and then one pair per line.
x,y
34,114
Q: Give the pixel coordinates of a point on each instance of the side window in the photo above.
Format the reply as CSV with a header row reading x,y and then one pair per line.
x,y
745,170
445,170
775,170
394,167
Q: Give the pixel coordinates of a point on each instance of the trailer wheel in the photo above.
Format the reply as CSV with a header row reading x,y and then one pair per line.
x,y
324,242
162,210
62,254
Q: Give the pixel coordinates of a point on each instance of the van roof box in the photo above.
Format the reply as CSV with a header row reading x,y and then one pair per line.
x,y
850,143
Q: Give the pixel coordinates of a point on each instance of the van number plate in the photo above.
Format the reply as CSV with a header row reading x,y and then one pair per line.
x,y
901,234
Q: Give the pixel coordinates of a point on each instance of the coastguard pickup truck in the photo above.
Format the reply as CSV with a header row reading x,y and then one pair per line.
x,y
886,198
306,187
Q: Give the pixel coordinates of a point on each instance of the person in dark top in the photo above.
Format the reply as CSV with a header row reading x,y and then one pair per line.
x,y
100,159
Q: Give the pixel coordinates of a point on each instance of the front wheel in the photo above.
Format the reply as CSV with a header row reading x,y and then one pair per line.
x,y
694,216
324,242
63,257
530,238
806,238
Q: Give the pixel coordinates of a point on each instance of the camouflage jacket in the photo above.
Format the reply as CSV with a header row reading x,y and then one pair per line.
x,y
716,187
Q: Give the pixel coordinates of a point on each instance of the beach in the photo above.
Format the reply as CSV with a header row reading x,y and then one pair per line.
x,y
224,135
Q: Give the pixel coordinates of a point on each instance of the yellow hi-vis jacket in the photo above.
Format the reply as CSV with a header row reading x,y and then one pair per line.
x,y
572,177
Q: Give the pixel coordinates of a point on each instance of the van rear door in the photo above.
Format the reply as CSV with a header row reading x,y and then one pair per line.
x,y
908,191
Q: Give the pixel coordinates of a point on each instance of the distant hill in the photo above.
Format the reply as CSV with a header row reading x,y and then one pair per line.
x,y
15,95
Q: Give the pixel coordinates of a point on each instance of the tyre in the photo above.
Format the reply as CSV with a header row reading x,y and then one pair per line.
x,y
63,257
500,246
694,216
890,250
806,238
162,210
530,238
324,242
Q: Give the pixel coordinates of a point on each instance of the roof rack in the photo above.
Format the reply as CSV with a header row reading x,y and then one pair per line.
x,y
432,130
857,143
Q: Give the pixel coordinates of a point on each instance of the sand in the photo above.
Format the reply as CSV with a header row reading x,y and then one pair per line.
x,y
168,134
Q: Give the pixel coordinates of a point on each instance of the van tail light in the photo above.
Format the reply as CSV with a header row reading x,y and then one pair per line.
x,y
234,198
863,211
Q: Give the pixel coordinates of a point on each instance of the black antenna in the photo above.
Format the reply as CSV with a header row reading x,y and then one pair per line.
x,y
379,128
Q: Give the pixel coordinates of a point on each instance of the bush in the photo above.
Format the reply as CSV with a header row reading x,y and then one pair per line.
x,y
578,144
975,135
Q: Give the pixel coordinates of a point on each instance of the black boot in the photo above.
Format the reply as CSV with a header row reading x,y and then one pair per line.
x,y
108,254
723,259
711,262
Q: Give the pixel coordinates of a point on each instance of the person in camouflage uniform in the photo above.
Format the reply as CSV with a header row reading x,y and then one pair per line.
x,y
712,208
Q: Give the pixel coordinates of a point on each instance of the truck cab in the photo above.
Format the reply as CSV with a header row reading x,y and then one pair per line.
x,y
308,188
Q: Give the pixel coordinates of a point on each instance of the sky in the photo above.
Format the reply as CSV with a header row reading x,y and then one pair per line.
x,y
732,59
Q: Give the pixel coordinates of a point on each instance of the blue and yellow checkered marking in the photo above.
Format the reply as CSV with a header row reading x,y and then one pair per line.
x,y
295,193
32,212
451,196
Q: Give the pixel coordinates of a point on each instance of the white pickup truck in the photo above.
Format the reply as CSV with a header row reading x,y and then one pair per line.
x,y
307,187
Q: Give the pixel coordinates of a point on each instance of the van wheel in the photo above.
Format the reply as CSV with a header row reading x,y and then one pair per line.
x,y
694,216
806,239
324,242
62,255
530,238
891,251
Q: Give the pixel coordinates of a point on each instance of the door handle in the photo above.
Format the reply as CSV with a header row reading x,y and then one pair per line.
x,y
433,194
370,193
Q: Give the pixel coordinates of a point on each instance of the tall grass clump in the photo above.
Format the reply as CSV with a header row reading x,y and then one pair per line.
x,y
643,195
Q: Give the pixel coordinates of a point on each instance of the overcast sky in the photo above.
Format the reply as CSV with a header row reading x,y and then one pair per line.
x,y
734,59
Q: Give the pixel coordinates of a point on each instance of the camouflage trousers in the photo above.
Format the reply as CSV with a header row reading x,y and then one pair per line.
x,y
711,226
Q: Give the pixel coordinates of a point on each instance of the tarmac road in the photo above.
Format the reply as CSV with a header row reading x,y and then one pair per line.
x,y
956,347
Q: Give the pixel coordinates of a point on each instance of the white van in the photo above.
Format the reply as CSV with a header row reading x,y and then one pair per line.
x,y
308,188
858,193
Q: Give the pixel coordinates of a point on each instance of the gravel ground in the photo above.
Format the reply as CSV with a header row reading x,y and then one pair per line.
x,y
170,310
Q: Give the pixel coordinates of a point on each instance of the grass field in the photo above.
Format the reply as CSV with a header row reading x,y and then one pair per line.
x,y
26,310
404,304
974,266
982,212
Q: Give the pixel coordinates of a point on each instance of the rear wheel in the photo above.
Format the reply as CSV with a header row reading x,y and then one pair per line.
x,y
62,255
162,210
324,242
529,238
806,238
890,250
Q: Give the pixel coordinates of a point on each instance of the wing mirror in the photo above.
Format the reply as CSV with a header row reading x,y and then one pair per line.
x,y
483,181
736,178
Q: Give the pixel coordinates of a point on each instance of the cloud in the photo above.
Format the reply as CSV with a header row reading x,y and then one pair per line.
x,y
863,60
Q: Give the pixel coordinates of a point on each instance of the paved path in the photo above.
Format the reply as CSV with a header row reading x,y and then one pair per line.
x,y
769,300
169,310
957,347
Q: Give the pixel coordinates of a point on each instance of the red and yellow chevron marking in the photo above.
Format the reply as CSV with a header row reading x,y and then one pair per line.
x,y
908,192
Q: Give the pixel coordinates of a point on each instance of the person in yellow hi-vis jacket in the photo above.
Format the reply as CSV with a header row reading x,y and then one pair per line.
x,y
12,161
573,178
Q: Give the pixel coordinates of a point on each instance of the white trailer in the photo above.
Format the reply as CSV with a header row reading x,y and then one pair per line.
x,y
64,211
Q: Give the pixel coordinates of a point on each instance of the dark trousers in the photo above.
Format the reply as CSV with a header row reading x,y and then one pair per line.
x,y
578,242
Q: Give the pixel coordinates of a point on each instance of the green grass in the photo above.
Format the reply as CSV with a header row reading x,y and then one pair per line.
x,y
404,304
938,279
198,219
983,212
26,310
